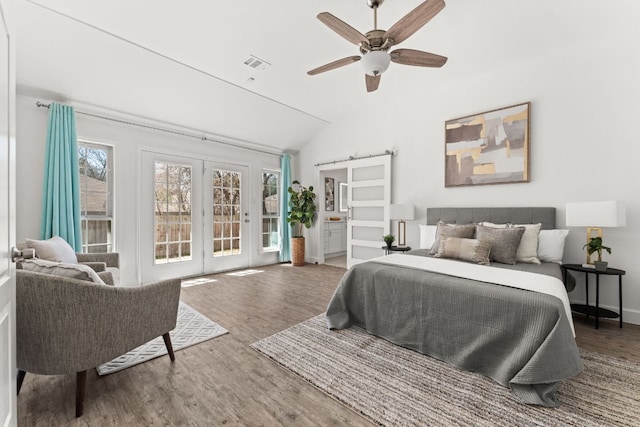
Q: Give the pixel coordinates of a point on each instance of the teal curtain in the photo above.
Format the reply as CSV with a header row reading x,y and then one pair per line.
x,y
61,191
285,228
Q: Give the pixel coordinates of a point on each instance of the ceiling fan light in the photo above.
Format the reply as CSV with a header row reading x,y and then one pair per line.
x,y
375,62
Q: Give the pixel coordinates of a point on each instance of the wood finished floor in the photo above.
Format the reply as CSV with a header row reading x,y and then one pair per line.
x,y
223,381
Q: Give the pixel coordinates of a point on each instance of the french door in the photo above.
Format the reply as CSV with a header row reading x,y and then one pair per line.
x,y
194,217
227,228
171,216
369,198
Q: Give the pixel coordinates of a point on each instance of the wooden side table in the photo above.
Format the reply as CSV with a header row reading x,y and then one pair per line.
x,y
403,249
590,310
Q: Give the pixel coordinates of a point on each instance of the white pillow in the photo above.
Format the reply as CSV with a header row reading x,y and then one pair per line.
x,y
54,249
427,235
72,271
551,245
528,248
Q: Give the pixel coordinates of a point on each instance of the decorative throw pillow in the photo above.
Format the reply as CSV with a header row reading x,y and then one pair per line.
x,y
551,245
72,271
465,231
54,249
528,249
504,242
427,235
470,250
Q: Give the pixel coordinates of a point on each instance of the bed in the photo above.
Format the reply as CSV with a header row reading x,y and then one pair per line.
x,y
492,320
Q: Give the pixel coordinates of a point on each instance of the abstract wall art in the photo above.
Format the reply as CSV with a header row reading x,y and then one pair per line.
x,y
329,197
488,148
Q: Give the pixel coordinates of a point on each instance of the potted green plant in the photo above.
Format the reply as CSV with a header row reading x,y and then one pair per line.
x,y
302,212
388,239
595,245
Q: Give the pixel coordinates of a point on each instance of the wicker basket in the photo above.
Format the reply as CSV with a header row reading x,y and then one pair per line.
x,y
297,251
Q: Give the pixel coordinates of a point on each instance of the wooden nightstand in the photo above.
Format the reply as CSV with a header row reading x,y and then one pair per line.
x,y
590,310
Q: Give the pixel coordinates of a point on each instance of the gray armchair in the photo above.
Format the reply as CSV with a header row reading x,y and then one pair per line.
x,y
66,326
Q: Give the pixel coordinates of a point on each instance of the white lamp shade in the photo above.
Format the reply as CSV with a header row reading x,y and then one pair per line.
x,y
375,62
401,212
596,214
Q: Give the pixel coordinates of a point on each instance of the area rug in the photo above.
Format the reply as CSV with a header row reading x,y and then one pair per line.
x,y
393,386
191,328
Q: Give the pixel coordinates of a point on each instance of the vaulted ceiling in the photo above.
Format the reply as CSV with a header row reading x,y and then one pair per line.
x,y
183,62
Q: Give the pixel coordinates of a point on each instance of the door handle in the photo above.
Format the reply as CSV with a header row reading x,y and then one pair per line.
x,y
246,220
19,255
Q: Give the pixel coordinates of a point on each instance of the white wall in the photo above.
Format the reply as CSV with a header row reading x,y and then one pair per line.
x,y
127,141
584,146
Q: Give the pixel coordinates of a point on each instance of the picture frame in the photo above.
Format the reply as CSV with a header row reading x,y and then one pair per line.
x,y
344,196
329,196
488,148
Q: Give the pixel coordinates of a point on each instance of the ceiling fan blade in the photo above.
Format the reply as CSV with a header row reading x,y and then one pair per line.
x,y
414,20
335,64
372,82
342,28
417,58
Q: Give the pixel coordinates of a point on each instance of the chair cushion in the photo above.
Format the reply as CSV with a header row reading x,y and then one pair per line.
x,y
115,274
54,249
71,271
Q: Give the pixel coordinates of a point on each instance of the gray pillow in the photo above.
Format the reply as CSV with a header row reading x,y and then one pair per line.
x,y
470,250
504,242
465,231
71,271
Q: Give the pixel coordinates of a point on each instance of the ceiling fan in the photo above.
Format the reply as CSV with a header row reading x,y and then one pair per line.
x,y
374,45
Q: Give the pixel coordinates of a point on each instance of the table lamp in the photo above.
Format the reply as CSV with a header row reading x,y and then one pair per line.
x,y
401,213
594,216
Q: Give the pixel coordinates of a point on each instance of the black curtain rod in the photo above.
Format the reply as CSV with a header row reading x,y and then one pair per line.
x,y
174,132
386,153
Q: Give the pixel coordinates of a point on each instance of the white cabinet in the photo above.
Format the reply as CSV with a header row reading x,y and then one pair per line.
x,y
335,237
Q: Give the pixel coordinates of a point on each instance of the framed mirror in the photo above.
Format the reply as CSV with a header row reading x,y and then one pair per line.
x,y
343,196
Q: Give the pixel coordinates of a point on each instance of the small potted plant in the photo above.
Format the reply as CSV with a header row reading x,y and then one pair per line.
x,y
595,245
388,239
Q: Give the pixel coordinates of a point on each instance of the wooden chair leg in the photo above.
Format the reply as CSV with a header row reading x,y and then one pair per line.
x,y
81,381
167,343
21,375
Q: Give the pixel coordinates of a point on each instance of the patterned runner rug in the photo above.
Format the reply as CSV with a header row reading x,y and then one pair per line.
x,y
191,328
393,386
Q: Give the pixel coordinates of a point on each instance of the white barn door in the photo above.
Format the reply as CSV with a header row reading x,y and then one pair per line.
x,y
8,371
368,207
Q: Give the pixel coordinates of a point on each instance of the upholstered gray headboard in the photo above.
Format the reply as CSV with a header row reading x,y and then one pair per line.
x,y
520,215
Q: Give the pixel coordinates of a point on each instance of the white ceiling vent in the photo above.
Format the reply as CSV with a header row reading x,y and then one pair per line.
x,y
256,63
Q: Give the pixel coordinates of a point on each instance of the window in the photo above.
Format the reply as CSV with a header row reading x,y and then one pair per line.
x,y
172,212
270,211
96,196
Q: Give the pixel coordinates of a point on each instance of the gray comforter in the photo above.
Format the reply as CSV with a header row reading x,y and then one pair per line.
x,y
520,339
